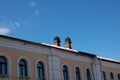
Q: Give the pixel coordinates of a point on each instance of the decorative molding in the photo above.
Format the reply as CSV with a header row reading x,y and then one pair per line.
x,y
96,68
91,73
69,71
80,70
110,64
45,68
71,56
28,66
24,47
9,69
43,50
54,67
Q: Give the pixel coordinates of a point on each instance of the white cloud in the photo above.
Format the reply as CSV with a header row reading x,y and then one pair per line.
x,y
4,30
33,4
9,26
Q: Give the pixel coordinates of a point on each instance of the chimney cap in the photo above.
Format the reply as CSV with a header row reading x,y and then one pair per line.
x,y
57,39
68,40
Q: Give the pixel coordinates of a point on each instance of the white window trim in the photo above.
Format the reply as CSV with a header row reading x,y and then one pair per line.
x,y
80,70
45,68
113,75
90,73
28,66
105,75
117,75
9,69
69,71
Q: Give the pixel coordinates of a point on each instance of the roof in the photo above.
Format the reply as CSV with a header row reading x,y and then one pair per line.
x,y
60,48
50,46
108,59
70,50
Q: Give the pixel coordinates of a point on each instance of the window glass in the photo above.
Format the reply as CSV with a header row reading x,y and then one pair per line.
x,y
112,76
22,68
118,76
3,65
88,74
77,73
40,70
104,76
65,73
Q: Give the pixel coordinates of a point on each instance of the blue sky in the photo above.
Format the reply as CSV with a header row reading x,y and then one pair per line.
x,y
92,25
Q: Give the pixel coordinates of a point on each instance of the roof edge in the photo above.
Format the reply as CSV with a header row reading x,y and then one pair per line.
x,y
108,59
49,45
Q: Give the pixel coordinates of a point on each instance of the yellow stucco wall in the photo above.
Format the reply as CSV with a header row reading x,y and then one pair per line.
x,y
14,55
108,70
72,64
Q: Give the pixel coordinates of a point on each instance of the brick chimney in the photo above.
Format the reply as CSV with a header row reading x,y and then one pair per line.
x,y
56,41
68,43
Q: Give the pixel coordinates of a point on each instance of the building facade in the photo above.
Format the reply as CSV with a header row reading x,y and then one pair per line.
x,y
26,60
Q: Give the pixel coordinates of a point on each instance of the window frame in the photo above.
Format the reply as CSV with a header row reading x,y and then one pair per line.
x,y
104,75
118,76
69,73
23,68
28,67
79,69
112,77
90,74
45,69
8,59
40,69
5,63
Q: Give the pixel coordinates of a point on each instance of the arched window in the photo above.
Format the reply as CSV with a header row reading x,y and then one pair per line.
x,y
65,73
40,70
77,74
3,65
104,76
23,68
118,76
88,74
112,76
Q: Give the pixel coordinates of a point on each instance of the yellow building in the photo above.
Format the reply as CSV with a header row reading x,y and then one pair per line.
x,y
26,60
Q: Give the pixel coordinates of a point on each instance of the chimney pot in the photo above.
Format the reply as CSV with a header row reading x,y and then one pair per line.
x,y
57,41
68,43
